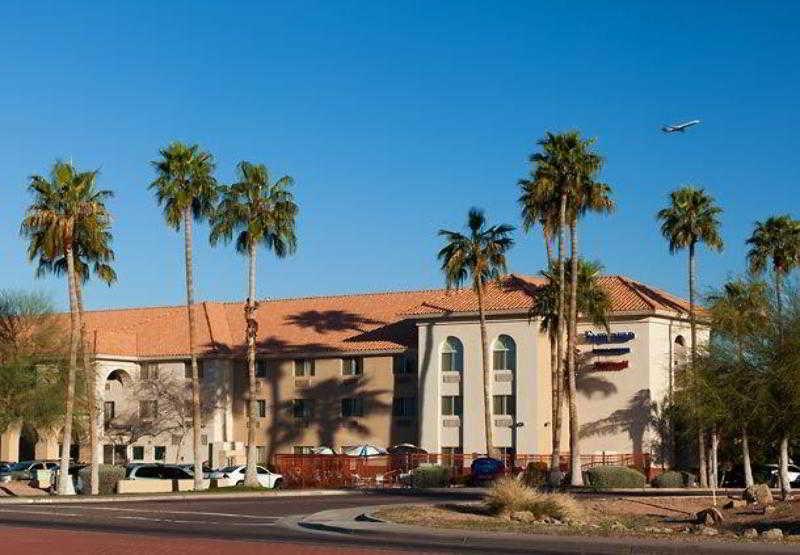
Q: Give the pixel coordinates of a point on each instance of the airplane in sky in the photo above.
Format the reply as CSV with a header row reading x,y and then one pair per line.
x,y
679,126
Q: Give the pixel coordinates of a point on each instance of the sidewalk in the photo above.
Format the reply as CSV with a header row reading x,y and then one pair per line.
x,y
360,522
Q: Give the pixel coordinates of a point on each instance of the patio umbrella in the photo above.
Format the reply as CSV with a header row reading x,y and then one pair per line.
x,y
365,451
406,449
322,451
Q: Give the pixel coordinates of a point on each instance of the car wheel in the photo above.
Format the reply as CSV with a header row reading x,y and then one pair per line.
x,y
278,484
240,483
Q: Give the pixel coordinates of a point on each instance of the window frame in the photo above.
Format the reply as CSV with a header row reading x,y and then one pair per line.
x,y
262,368
148,402
261,408
507,405
352,407
134,449
404,406
352,367
452,347
305,366
454,405
504,345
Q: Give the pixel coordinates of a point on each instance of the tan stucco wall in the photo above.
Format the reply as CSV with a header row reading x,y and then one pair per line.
x,y
279,432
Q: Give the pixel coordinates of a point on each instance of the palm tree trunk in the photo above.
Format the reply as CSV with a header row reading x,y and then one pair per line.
x,y
783,473
558,402
91,399
701,441
555,459
713,470
69,405
251,477
487,377
576,478
748,469
196,417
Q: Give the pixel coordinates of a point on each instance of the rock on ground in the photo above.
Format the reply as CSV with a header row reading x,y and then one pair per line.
x,y
750,533
735,504
710,516
758,493
772,534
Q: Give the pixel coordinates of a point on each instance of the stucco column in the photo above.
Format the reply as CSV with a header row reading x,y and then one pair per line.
x,y
47,446
9,443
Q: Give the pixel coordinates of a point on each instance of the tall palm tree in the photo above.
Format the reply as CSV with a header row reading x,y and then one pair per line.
x,y
479,256
66,207
187,191
738,312
93,254
262,212
691,218
776,243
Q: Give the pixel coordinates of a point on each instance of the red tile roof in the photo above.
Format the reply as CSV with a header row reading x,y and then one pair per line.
x,y
344,323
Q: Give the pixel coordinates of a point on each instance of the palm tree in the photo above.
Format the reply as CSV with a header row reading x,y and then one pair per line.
x,y
186,189
479,257
776,243
260,212
738,312
691,218
66,208
93,254
541,206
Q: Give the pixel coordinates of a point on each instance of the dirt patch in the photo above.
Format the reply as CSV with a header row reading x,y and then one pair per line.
x,y
668,517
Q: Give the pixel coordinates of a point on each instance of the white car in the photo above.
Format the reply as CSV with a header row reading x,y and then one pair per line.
x,y
235,474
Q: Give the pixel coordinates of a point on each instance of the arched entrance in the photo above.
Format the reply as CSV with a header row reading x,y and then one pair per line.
x,y
28,438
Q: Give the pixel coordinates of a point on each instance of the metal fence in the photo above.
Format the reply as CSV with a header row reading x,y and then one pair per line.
x,y
334,471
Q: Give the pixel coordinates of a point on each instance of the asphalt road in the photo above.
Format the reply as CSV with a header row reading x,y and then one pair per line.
x,y
264,526
205,522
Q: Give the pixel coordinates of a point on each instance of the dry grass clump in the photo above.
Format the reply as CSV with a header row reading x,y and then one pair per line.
x,y
509,495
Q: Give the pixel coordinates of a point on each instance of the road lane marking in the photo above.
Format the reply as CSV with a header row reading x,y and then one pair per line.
x,y
40,513
199,513
207,522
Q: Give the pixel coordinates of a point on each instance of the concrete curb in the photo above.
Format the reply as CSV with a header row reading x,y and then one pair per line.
x,y
85,499
362,522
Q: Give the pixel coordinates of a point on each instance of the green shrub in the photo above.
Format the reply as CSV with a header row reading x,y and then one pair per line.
x,y
669,479
433,476
536,474
509,495
607,477
108,478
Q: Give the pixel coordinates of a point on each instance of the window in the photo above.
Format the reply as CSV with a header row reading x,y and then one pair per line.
x,y
302,449
304,367
452,405
452,355
404,364
504,405
108,454
160,453
504,354
148,372
138,453
404,407
261,408
187,370
302,408
109,412
352,366
148,409
177,440
261,369
261,454
353,407
450,451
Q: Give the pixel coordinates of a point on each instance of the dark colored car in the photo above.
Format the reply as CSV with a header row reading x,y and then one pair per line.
x,y
156,472
486,469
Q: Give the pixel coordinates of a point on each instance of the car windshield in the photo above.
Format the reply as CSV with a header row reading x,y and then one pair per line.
x,y
229,469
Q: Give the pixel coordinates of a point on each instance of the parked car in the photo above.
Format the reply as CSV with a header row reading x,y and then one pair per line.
x,y
762,473
235,474
486,469
207,470
156,472
5,466
24,470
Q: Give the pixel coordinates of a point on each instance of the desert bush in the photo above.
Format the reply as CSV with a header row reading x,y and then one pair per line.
x,y
669,479
535,475
433,476
508,495
108,478
606,477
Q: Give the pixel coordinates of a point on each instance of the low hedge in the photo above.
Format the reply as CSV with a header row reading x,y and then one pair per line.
x,y
669,479
433,476
609,477
109,475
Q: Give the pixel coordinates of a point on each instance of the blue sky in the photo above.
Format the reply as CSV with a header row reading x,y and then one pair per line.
x,y
395,118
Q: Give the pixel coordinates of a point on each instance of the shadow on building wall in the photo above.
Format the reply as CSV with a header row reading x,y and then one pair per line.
x,y
633,420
